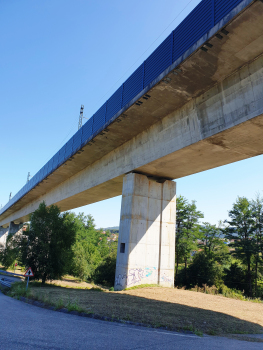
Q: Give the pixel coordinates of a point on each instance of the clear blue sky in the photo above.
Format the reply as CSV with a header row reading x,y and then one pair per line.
x,y
59,54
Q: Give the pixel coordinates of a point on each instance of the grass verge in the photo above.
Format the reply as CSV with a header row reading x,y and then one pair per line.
x,y
224,291
143,286
18,290
171,309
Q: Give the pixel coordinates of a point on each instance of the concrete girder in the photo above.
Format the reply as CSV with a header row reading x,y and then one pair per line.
x,y
221,126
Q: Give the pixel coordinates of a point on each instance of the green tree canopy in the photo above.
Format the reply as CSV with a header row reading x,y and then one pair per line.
x,y
187,229
202,270
257,210
48,243
241,233
212,242
91,247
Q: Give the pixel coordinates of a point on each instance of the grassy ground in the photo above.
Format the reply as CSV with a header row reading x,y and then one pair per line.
x,y
172,308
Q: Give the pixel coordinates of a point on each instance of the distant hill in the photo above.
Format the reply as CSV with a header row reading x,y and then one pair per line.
x,y
114,228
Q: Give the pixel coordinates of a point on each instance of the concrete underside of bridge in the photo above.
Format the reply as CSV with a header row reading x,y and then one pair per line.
x,y
221,126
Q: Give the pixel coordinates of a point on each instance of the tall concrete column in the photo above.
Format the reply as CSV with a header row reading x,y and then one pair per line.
x,y
5,232
146,247
3,236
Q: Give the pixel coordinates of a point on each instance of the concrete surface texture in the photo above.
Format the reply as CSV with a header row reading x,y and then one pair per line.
x,y
26,327
146,245
208,114
12,229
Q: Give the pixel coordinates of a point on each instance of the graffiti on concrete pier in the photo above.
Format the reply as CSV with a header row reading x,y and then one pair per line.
x,y
148,274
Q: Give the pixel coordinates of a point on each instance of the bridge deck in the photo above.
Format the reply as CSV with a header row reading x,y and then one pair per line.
x,y
215,40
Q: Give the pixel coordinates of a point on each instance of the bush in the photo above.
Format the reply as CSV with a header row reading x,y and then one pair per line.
x,y
105,273
206,289
84,261
235,278
202,271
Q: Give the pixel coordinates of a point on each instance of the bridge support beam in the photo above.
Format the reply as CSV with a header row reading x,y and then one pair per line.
x,y
146,247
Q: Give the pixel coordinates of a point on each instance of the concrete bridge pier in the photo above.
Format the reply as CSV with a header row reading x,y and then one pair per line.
x,y
146,247
13,228
5,232
3,236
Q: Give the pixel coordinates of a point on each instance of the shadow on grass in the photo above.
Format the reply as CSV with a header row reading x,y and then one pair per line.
x,y
157,313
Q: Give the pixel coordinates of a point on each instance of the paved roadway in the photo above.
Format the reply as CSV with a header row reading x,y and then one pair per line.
x,y
28,327
10,278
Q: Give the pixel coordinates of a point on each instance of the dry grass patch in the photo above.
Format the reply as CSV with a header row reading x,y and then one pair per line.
x,y
70,283
172,308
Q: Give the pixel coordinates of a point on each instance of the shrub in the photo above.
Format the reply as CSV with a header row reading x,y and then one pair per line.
x,y
202,271
105,273
235,277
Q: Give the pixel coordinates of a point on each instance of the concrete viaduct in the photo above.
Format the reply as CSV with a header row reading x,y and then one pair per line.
x,y
204,110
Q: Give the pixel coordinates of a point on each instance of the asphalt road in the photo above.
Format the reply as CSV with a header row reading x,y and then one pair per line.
x,y
24,326
10,278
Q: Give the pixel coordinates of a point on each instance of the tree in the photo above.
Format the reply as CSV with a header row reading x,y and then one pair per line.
x,y
90,249
50,237
209,238
257,212
83,248
212,242
105,272
235,277
241,232
187,230
202,270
